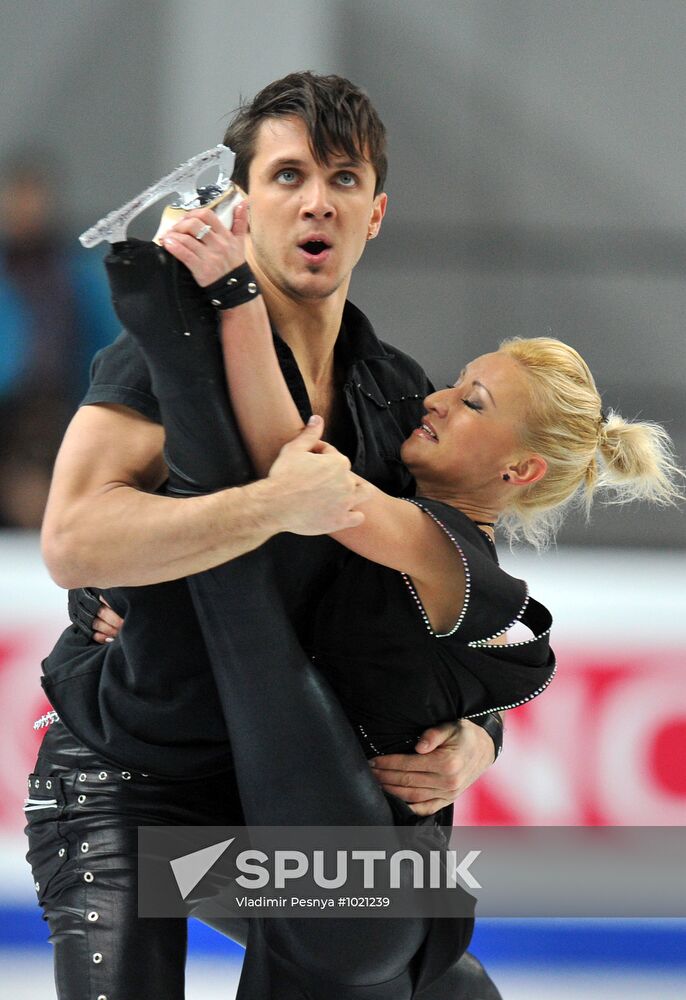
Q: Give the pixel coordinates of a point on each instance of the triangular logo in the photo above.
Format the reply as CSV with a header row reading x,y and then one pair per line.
x,y
190,868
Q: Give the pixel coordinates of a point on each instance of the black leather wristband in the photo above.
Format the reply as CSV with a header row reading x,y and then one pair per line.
x,y
83,605
493,724
235,288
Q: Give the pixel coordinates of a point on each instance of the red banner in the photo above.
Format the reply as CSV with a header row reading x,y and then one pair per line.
x,y
605,744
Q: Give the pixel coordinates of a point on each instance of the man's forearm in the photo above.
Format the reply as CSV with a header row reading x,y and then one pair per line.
x,y
106,527
126,537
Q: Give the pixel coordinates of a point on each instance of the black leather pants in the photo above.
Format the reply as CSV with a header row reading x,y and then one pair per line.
x,y
82,825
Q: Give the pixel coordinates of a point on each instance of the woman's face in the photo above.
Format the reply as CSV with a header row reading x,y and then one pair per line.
x,y
471,435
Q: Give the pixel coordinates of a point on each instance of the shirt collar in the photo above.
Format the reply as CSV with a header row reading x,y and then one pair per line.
x,y
356,343
356,339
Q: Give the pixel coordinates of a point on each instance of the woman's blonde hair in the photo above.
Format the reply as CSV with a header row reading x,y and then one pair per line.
x,y
587,450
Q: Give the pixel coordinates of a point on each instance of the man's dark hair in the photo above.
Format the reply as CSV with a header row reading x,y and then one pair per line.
x,y
339,118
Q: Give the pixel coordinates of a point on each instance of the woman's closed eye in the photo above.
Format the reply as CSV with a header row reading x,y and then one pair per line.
x,y
471,403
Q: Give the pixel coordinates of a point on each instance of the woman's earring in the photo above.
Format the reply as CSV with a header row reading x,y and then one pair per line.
x,y
506,477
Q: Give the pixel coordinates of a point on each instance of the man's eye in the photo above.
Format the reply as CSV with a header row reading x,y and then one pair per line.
x,y
347,180
287,177
471,405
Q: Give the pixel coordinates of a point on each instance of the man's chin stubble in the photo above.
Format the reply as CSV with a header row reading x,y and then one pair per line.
x,y
312,294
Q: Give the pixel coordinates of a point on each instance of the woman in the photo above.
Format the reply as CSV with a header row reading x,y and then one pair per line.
x,y
514,439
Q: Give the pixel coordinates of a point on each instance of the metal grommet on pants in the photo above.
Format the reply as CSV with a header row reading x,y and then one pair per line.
x,y
90,898
97,957
81,799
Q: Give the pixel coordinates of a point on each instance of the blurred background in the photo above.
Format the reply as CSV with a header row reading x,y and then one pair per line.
x,y
537,158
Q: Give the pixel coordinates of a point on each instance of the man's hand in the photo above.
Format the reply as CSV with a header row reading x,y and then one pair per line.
x,y
448,759
106,623
316,489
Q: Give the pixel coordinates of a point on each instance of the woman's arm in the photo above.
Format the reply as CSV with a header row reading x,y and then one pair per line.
x,y
394,533
266,414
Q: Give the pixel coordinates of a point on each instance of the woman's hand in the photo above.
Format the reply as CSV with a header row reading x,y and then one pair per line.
x,y
449,759
219,251
106,624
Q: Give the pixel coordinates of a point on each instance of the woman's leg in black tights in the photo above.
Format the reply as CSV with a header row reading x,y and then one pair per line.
x,y
158,301
297,763
297,760
239,604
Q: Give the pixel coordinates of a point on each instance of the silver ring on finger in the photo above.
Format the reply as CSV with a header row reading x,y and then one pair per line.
x,y
202,232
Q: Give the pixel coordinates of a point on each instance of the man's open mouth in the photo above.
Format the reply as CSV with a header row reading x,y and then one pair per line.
x,y
315,247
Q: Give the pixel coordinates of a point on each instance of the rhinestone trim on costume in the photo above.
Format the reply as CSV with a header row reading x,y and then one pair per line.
x,y
366,737
485,642
515,704
478,643
372,746
467,580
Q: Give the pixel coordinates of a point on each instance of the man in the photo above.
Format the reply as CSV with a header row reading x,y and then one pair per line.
x,y
310,154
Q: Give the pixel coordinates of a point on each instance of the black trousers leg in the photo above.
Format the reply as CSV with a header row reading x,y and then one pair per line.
x,y
82,821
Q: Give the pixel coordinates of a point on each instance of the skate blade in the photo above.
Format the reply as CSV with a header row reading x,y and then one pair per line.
x,y
183,180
